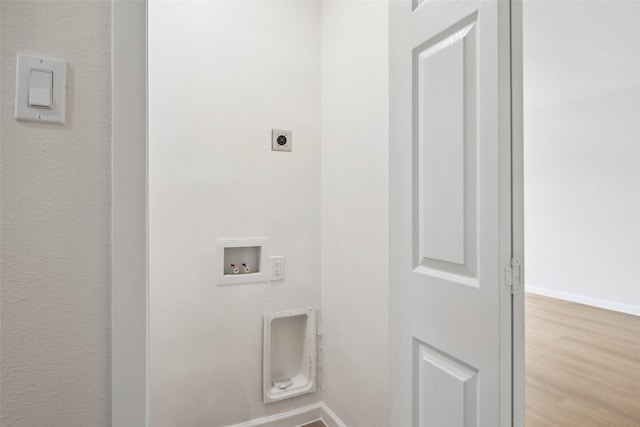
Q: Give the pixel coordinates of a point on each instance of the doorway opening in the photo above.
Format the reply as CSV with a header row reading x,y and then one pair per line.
x,y
582,209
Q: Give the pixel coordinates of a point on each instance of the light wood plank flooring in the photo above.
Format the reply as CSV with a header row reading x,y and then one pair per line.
x,y
582,365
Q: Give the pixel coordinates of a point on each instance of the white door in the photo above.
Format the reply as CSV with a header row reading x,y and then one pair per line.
x,y
450,148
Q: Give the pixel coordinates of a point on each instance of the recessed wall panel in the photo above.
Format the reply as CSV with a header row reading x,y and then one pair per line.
x,y
445,217
445,389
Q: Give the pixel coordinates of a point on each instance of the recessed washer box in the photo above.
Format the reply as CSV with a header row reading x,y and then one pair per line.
x,y
242,261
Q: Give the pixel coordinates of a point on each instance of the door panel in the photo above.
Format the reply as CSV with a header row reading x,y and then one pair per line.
x,y
444,151
450,213
446,390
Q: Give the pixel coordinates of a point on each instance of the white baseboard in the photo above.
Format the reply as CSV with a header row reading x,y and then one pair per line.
x,y
329,417
297,417
595,302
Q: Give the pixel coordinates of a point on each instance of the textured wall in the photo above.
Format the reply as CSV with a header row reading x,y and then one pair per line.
x,y
55,198
222,75
355,210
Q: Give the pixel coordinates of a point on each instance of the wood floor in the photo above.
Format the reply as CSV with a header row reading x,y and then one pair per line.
x,y
582,365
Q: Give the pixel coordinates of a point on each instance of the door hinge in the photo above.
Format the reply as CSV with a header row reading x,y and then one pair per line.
x,y
514,277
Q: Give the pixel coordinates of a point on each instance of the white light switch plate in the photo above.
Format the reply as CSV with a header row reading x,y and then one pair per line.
x,y
57,112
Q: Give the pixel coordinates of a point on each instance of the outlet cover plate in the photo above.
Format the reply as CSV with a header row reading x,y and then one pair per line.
x,y
277,267
281,140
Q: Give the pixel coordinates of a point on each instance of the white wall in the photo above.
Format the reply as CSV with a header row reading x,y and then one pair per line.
x,y
55,198
222,75
582,151
355,221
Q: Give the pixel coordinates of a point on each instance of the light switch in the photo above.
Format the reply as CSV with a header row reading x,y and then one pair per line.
x,y
40,88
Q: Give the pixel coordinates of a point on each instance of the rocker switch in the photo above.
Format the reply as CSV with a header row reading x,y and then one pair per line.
x,y
40,88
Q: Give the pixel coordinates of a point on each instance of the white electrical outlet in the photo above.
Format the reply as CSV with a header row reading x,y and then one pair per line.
x,y
277,267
